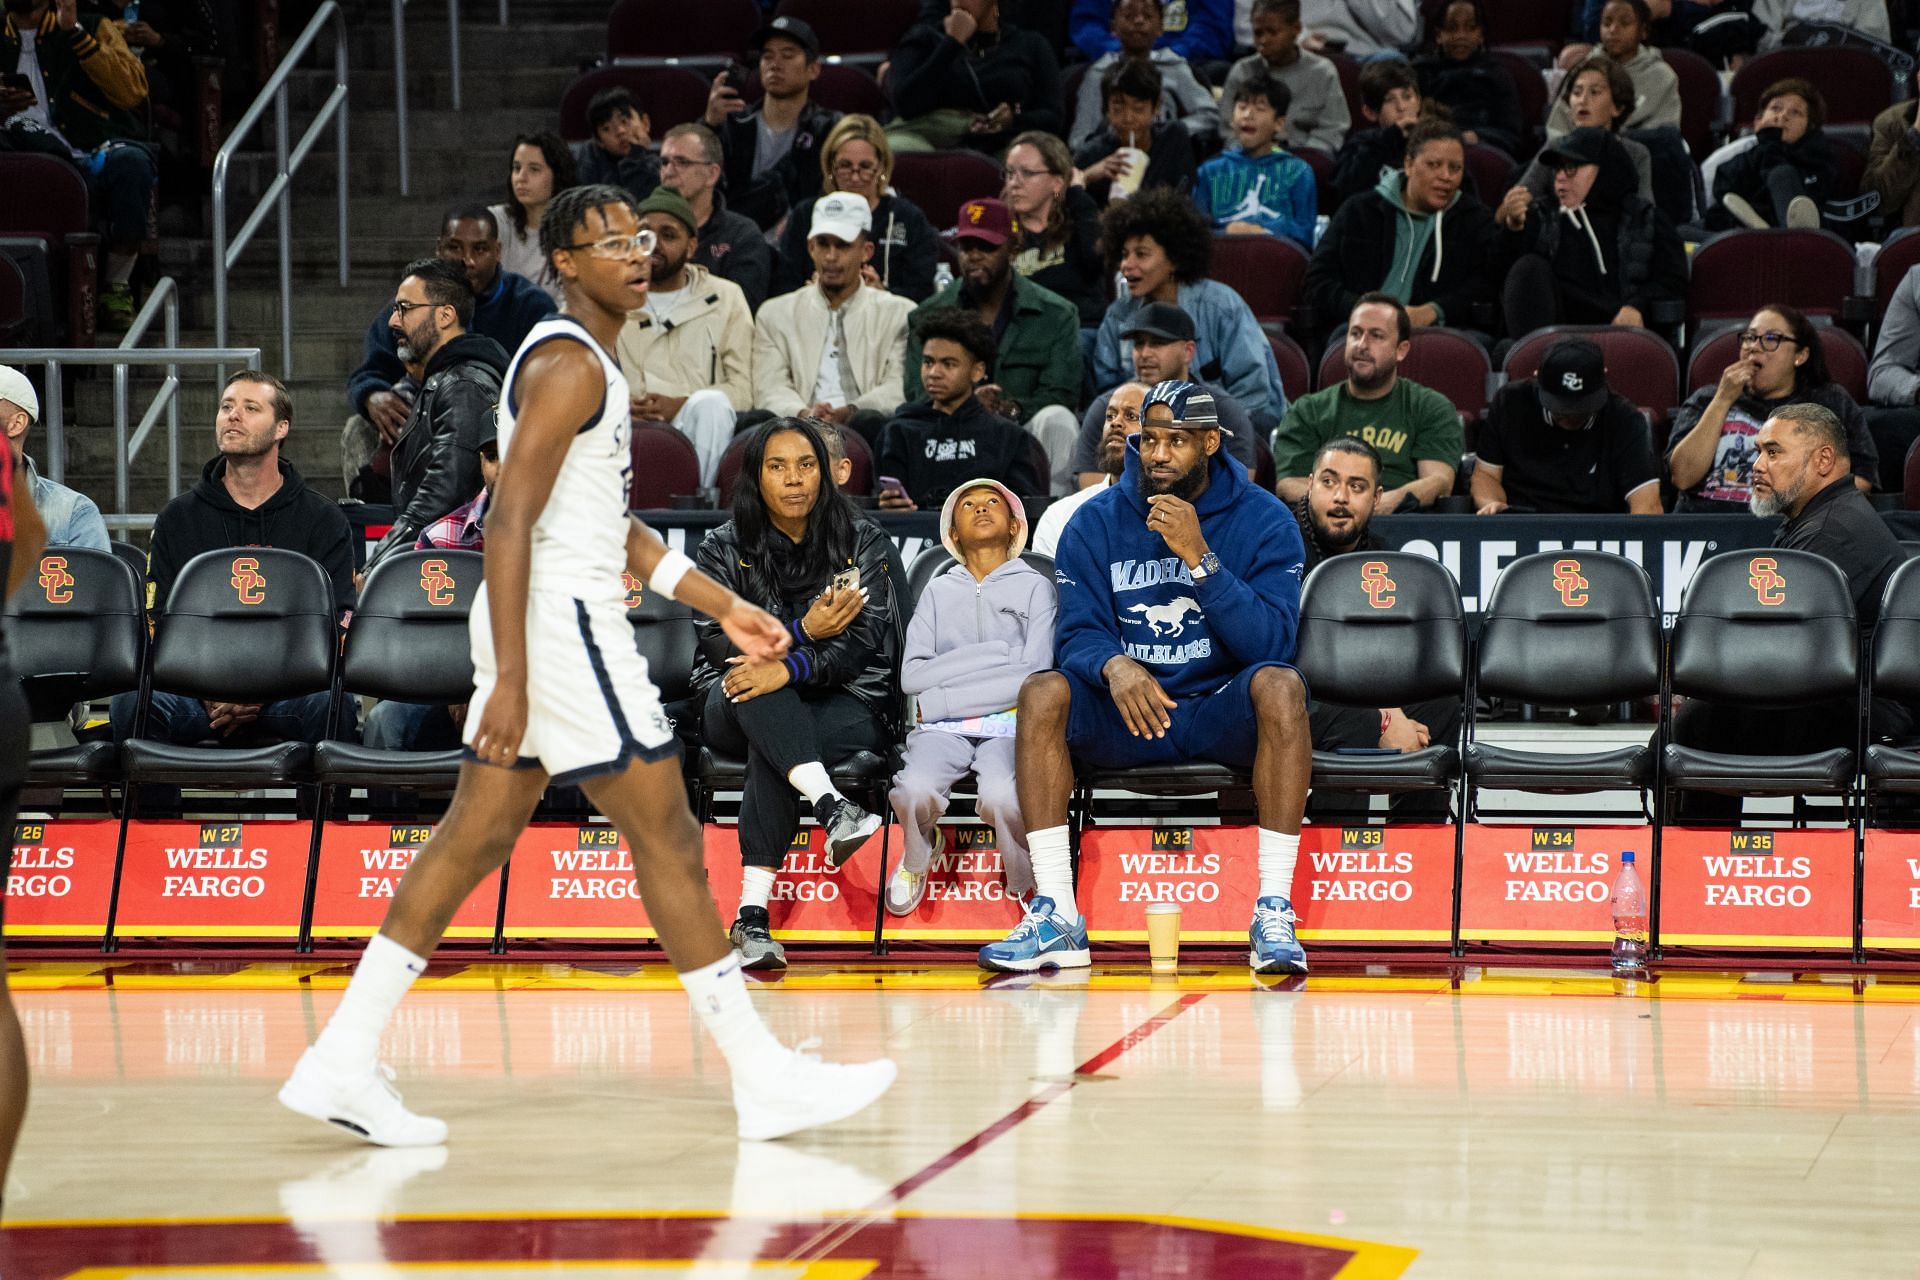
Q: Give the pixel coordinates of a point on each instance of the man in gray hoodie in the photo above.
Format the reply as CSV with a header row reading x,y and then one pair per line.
x,y
979,630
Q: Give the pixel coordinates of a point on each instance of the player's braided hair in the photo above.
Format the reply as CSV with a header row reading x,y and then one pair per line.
x,y
567,212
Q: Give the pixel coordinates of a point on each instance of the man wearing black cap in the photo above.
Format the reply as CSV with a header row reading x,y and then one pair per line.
x,y
1164,341
1565,442
1599,253
773,150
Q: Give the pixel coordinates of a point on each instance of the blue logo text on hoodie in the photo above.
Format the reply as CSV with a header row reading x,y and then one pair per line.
x,y
1123,592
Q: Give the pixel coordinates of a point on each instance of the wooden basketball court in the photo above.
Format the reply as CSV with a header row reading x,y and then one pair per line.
x,y
1365,1122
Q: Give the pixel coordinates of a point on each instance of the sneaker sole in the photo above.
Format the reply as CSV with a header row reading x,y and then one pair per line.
x,y
1276,966
763,962
294,1099
1803,214
840,1110
838,851
911,907
1051,960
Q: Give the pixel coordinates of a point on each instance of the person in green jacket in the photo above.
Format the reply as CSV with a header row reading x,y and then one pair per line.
x,y
1036,334
85,86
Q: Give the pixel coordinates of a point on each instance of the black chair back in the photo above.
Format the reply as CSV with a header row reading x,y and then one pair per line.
x,y
1381,629
77,629
1768,628
663,630
1896,638
247,624
1571,628
408,639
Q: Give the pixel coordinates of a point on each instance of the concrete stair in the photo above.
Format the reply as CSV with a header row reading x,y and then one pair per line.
x,y
512,81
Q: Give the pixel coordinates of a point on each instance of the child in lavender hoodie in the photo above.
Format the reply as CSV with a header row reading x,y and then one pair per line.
x,y
980,629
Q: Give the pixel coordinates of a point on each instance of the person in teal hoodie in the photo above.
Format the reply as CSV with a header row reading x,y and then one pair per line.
x,y
1179,609
1259,188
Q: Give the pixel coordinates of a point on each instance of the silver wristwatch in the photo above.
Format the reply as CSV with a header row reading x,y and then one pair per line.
x,y
1208,566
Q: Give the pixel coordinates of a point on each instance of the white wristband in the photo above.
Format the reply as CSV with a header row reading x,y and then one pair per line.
x,y
666,575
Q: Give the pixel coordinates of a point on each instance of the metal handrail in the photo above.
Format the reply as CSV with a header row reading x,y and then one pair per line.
x,y
120,359
274,93
400,75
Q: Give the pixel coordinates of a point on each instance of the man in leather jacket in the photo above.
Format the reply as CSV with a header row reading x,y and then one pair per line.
x,y
436,460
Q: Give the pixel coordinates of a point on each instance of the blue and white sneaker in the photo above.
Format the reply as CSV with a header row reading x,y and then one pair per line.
x,y
1275,948
1044,939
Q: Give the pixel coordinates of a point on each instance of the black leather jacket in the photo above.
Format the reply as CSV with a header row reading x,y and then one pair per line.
x,y
862,659
436,460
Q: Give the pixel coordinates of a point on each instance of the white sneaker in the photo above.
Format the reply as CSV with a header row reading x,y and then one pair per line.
x,y
1803,213
802,1092
365,1104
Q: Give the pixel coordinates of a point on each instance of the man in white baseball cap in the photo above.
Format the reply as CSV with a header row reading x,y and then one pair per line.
x,y
834,348
72,518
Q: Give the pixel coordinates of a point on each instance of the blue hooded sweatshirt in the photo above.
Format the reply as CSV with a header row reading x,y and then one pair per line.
x,y
1122,591
1275,191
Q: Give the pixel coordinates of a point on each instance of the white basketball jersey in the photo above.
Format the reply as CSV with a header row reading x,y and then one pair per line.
x,y
580,539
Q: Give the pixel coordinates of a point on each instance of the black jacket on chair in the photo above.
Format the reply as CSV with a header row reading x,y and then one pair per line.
x,y
436,460
860,660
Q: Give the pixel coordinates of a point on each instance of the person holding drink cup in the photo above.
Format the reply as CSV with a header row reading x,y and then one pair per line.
x,y
1130,151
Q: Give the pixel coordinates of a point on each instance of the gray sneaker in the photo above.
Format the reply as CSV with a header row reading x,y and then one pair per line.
x,y
1803,213
756,946
848,827
1747,215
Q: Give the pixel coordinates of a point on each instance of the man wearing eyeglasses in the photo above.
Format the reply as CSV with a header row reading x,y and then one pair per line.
x,y
730,246
1564,441
436,460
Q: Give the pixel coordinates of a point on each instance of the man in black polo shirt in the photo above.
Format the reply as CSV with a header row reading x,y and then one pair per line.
x,y
1565,442
1803,471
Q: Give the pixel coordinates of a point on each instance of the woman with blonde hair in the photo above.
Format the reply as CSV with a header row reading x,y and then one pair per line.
x,y
856,158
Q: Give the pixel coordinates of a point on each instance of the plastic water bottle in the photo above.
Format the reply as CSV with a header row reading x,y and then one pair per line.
x,y
942,277
1629,919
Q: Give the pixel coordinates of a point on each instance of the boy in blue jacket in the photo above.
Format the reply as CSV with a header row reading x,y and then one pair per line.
x,y
1258,187
979,630
1179,605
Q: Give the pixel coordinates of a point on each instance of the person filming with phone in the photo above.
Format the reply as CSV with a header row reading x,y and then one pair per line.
x,y
795,548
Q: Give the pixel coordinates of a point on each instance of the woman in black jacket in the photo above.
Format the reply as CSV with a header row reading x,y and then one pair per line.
x,y
1478,91
856,158
795,548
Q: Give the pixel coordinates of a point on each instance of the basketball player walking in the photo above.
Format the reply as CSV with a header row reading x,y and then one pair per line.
x,y
560,692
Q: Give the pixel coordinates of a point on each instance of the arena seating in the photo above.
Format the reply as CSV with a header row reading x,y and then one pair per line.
x,y
1296,375
855,28
1639,365
1701,101
665,29
665,466
1854,82
1735,273
1893,671
1451,362
1270,272
80,633
1898,255
46,228
1846,359
940,182
669,96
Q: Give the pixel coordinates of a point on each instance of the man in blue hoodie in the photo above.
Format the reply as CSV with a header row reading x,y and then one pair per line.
x,y
1179,604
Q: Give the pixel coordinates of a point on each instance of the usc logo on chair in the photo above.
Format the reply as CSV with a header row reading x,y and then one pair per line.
x,y
1769,585
56,581
436,582
1567,580
1378,586
249,584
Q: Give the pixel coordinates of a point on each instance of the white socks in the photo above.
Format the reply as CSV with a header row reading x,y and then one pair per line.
x,y
1053,868
756,886
811,780
719,995
351,1039
1278,853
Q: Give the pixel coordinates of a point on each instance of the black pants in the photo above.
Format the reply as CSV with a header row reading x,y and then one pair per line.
x,y
1532,299
1741,730
777,731
1334,728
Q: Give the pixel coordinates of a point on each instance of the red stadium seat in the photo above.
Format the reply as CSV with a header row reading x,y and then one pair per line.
x,y
1326,200
1491,171
1532,88
940,182
1899,255
1447,360
1270,272
1350,86
1640,366
855,26
1736,273
851,90
1700,99
47,200
663,29
665,467
668,95
1846,359
1296,375
1542,23
1856,84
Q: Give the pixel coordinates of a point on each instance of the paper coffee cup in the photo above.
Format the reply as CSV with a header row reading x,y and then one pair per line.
x,y
1163,935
